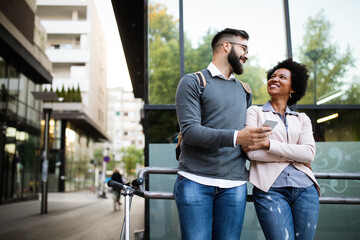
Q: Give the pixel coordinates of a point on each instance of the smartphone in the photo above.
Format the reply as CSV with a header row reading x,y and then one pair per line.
x,y
270,123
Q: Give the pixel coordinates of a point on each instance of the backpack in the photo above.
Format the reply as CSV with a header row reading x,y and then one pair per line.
x,y
201,79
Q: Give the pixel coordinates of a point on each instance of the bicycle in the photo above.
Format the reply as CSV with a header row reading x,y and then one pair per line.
x,y
128,191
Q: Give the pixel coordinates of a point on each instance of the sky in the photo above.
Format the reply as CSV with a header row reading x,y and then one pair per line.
x,y
117,71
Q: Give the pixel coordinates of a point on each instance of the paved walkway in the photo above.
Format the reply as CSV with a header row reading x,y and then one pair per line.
x,y
77,215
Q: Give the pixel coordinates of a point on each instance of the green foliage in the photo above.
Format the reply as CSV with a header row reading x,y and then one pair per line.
x,y
164,60
111,164
98,155
255,76
78,94
331,65
70,95
63,93
164,55
131,157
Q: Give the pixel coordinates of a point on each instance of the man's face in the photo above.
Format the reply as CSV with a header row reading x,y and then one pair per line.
x,y
237,56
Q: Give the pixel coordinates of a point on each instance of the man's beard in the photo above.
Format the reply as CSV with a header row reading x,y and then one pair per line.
x,y
235,62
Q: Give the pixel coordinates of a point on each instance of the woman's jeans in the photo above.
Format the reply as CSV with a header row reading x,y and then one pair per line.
x,y
207,212
288,212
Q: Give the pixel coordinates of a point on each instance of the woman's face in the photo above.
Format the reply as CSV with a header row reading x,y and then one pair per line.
x,y
279,83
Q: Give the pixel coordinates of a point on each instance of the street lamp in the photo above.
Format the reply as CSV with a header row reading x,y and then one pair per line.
x,y
314,55
45,165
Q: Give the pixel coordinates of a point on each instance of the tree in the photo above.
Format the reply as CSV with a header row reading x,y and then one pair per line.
x,y
323,58
63,93
78,94
163,55
255,76
131,157
98,155
164,59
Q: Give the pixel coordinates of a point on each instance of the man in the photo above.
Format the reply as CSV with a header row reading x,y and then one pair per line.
x,y
210,190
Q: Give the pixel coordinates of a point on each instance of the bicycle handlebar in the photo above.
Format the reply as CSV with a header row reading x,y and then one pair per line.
x,y
120,186
157,170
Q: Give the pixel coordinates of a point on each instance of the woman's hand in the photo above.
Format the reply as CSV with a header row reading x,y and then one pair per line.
x,y
259,145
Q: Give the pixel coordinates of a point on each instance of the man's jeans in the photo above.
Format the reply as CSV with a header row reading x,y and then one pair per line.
x,y
288,212
207,212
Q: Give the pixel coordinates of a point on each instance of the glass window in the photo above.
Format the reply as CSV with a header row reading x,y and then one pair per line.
x,y
30,97
30,155
23,88
12,109
265,26
21,115
325,40
33,117
3,73
14,80
164,53
4,84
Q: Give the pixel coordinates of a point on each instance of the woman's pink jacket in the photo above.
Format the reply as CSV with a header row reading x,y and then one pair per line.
x,y
296,147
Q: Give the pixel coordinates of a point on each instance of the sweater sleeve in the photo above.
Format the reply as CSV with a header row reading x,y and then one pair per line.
x,y
188,109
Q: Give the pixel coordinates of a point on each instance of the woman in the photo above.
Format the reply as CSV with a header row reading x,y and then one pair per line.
x,y
286,193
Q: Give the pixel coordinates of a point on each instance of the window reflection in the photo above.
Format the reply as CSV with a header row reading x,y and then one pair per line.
x,y
326,42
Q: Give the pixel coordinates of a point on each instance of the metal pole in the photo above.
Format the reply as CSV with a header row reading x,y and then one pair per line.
x,y
127,215
315,76
45,165
287,28
102,186
181,39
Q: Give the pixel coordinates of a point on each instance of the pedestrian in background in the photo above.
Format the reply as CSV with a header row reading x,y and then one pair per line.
x,y
116,176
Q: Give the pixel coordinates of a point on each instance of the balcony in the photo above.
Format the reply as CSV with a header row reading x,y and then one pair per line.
x,y
63,55
66,26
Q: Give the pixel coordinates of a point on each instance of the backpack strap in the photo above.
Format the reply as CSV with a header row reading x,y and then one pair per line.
x,y
246,87
202,81
248,93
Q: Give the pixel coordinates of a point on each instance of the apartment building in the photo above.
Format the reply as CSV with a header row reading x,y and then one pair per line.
x,y
124,121
24,67
76,46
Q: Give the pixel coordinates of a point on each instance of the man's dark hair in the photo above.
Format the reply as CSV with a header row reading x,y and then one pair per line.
x,y
299,78
227,33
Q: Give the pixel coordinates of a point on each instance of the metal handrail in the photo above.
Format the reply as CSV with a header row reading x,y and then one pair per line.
x,y
325,200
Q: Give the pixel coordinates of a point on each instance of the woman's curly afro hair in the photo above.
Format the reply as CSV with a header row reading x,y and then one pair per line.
x,y
299,78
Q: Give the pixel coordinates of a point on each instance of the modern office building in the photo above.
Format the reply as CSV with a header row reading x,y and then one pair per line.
x,y
76,47
24,67
163,40
124,121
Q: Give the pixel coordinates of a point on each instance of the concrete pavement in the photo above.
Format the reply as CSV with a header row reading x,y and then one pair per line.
x,y
73,216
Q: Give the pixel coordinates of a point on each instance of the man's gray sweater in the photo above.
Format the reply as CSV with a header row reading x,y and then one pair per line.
x,y
207,122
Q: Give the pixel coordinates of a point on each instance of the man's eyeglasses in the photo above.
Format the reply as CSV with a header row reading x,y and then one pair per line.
x,y
245,47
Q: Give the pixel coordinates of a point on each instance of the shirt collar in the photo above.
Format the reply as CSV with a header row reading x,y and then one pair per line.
x,y
268,107
215,72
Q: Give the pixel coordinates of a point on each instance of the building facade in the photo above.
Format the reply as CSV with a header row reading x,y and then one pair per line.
x,y
124,121
76,47
163,40
24,67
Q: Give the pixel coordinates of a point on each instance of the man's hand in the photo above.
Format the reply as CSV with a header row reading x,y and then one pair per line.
x,y
252,135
